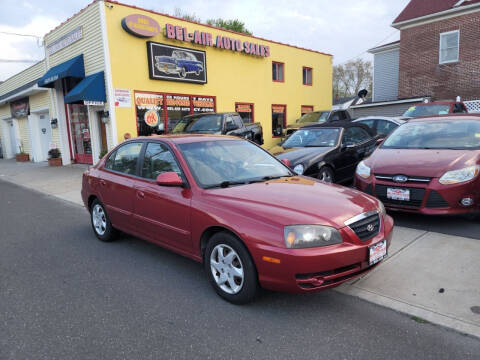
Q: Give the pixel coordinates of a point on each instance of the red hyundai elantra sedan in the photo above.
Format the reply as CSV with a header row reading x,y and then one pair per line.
x,y
428,165
228,203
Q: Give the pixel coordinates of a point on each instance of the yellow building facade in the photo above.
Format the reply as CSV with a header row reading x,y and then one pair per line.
x,y
156,68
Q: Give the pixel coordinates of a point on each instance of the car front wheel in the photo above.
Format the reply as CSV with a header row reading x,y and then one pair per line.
x,y
230,269
326,174
183,72
102,227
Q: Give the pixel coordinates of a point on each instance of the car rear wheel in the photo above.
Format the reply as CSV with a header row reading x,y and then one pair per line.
x,y
230,269
102,227
326,174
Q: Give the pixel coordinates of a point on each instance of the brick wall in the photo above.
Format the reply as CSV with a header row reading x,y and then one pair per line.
x,y
420,73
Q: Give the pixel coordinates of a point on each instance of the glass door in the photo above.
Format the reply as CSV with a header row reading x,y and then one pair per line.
x,y
80,131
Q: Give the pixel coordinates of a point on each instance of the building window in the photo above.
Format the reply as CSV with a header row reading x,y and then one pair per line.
x,y
277,71
306,109
449,46
307,75
158,113
279,119
246,112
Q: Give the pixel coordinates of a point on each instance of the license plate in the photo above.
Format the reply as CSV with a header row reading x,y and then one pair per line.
x,y
377,252
398,194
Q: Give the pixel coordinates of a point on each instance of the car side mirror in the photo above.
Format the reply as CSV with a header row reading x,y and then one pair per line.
x,y
169,178
287,163
379,141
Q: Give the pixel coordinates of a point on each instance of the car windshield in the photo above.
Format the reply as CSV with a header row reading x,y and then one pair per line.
x,y
322,137
229,162
440,134
319,117
427,110
204,123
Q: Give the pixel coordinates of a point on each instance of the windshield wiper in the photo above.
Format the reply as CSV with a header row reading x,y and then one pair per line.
x,y
225,184
266,178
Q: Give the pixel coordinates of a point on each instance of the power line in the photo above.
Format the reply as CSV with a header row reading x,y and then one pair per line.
x,y
17,34
374,46
19,61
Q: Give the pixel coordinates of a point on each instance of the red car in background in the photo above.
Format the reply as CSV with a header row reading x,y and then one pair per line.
x,y
428,165
228,203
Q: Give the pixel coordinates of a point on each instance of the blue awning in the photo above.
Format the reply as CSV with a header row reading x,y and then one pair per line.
x,y
92,88
70,68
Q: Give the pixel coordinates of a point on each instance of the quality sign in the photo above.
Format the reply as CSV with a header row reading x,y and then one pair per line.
x,y
140,25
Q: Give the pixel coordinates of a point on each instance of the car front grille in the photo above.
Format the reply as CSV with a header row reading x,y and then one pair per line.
x,y
367,227
416,196
409,179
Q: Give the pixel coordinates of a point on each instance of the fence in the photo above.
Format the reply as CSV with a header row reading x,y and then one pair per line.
x,y
473,106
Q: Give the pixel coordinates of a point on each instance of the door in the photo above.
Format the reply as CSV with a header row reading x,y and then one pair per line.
x,y
356,144
116,183
45,136
13,138
80,132
162,212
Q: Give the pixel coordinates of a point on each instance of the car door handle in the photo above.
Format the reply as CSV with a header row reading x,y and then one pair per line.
x,y
102,182
140,194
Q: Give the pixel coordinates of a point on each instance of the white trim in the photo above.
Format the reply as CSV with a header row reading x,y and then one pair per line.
x,y
440,47
26,92
458,3
442,15
108,74
384,48
388,103
62,124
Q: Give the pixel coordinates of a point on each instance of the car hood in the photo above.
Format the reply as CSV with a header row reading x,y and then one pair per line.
x,y
293,200
299,154
420,162
299,125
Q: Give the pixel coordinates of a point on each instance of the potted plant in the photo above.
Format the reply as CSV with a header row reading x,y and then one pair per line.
x,y
54,157
22,156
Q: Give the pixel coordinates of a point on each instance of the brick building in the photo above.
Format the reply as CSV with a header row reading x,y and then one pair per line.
x,y
437,57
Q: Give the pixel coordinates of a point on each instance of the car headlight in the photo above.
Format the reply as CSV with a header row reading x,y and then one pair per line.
x,y
299,169
308,236
381,209
459,176
363,170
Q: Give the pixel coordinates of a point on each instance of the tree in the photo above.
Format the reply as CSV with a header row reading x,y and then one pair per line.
x,y
351,77
184,15
234,25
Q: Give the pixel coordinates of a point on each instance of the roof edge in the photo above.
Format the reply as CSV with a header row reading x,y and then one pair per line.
x,y
385,47
458,9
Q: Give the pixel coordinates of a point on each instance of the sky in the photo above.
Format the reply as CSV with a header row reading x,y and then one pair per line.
x,y
343,28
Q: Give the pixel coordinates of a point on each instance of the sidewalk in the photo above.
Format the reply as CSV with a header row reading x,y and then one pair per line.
x,y
432,277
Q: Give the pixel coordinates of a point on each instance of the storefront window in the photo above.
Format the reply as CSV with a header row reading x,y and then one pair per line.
x,y
177,107
306,109
150,118
80,132
279,119
246,111
203,104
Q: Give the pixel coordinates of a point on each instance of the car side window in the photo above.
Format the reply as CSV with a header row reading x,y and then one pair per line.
x,y
385,127
158,159
126,158
110,160
354,136
370,123
230,124
459,108
238,121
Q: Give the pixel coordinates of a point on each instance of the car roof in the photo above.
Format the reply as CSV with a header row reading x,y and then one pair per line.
x,y
453,117
339,124
395,119
186,138
444,102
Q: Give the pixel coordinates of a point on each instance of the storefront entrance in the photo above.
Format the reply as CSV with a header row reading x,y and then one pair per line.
x,y
158,113
80,133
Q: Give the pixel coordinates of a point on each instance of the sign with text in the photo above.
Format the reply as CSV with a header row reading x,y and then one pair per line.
x,y
65,41
140,25
122,98
166,62
220,42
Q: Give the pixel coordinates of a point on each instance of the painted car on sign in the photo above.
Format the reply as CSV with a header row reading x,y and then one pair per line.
x,y
180,63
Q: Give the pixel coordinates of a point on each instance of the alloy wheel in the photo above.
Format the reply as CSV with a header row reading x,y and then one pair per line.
x,y
99,219
227,269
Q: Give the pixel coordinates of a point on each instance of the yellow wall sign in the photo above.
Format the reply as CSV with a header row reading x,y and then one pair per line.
x,y
140,25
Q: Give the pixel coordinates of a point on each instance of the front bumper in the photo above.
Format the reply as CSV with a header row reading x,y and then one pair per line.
x,y
430,198
314,269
